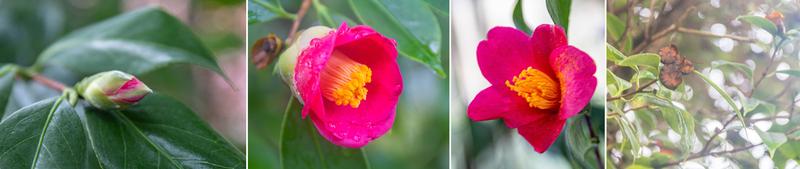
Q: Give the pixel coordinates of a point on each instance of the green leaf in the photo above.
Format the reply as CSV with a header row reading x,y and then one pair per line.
x,y
376,15
302,147
734,66
646,59
46,134
683,123
790,72
519,19
7,74
137,42
755,105
772,140
788,151
619,84
559,12
760,22
579,142
724,94
260,11
630,137
613,54
158,132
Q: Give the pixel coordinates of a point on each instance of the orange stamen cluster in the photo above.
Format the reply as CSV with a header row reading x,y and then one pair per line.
x,y
538,89
344,80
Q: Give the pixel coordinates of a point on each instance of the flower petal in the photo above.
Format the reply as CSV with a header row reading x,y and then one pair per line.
x,y
545,39
521,114
355,127
575,71
505,52
490,103
307,72
543,132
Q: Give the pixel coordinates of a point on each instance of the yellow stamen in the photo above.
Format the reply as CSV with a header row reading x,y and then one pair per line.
x,y
343,80
537,88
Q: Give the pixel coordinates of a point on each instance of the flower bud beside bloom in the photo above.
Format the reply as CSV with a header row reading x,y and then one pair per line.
x,y
112,89
288,59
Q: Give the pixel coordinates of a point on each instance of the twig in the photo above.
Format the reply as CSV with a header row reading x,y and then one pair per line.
x,y
710,139
48,82
296,25
707,154
633,92
769,64
709,34
594,137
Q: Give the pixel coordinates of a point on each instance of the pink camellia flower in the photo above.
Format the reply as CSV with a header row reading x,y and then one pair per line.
x,y
350,83
537,82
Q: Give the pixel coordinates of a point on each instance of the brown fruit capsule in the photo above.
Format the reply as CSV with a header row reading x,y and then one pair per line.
x,y
675,66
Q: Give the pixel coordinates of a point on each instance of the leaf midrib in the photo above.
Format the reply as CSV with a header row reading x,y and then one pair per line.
x,y
40,143
159,149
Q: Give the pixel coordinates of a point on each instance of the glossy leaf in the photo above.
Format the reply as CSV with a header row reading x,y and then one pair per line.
x,y
579,142
760,22
376,15
137,42
681,122
772,140
646,59
259,11
6,84
158,132
302,147
559,12
519,19
46,134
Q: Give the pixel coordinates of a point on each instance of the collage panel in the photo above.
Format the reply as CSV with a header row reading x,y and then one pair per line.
x,y
89,84
528,86
348,84
702,84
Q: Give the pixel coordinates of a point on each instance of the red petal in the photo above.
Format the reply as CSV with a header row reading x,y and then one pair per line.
x,y
355,127
575,71
505,52
545,39
491,103
543,132
307,72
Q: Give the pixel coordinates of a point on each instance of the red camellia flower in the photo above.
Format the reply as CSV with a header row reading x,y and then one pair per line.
x,y
537,82
350,83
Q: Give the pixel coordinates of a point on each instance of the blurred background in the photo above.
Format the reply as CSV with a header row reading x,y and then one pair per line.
x,y
490,144
28,27
419,137
711,34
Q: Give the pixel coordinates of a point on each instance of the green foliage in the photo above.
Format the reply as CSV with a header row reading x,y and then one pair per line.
x,y
559,11
303,147
760,22
157,132
137,42
519,19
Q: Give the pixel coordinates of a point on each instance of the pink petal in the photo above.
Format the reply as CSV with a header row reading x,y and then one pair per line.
x,y
505,52
575,71
355,127
545,39
543,132
490,103
307,72
499,102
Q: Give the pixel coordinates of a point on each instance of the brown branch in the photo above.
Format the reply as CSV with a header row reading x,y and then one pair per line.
x,y
296,24
709,34
707,145
633,92
769,64
707,154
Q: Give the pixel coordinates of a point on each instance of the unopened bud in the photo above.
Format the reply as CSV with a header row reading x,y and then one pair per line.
x,y
112,89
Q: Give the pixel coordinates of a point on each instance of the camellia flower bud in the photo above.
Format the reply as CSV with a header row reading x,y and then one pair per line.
x,y
112,89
